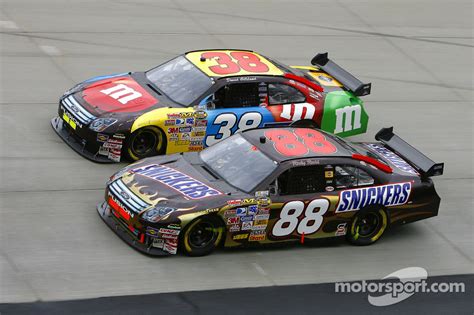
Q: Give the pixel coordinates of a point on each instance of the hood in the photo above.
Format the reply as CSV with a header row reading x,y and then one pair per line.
x,y
173,181
124,93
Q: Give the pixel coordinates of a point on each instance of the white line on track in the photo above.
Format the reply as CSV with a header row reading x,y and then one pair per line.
x,y
50,50
9,25
260,269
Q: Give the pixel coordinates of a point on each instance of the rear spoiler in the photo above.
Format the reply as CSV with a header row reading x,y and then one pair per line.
x,y
418,160
348,80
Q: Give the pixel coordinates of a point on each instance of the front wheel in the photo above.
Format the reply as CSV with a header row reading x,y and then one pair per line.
x,y
146,142
202,236
367,226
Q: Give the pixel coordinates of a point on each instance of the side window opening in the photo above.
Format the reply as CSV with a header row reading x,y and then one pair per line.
x,y
350,176
237,95
301,180
283,94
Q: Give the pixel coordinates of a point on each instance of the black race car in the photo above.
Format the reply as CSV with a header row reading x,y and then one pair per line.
x,y
267,186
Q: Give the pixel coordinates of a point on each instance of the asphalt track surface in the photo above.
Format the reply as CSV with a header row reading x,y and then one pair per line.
x,y
417,54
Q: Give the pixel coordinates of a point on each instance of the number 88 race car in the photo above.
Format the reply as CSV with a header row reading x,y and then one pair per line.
x,y
272,185
201,97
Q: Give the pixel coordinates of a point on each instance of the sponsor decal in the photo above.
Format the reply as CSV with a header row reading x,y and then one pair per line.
x,y
122,94
189,121
241,211
256,227
169,236
341,229
103,151
180,122
169,122
119,136
169,231
234,228
173,130
199,133
240,237
264,211
184,184
329,188
233,220
200,114
174,137
150,231
186,136
252,210
194,149
262,217
110,145
261,222
328,174
236,202
173,115
348,118
386,195
185,129
200,123
230,213
196,143
102,138
158,243
170,248
396,160
114,155
246,226
246,218
258,237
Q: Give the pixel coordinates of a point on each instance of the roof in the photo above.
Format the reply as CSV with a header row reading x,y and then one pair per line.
x,y
282,144
232,62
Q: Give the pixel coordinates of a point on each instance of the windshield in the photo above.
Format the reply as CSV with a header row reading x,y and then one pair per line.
x,y
180,80
238,162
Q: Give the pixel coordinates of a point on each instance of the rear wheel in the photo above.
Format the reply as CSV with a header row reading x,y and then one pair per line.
x,y
146,142
306,123
368,226
202,236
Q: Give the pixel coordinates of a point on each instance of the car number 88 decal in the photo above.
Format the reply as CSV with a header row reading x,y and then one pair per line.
x,y
310,222
229,124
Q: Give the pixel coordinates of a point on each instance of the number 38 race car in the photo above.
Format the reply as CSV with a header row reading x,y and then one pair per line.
x,y
270,185
201,97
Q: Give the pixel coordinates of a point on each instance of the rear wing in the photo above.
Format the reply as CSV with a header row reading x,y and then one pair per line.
x,y
348,80
418,160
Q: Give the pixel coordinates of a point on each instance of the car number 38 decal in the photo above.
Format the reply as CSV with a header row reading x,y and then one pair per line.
x,y
310,222
229,124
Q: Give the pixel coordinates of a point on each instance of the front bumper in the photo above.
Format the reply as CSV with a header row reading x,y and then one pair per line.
x,y
81,146
109,219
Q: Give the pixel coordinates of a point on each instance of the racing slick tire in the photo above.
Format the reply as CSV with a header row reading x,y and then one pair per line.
x,y
368,226
306,123
202,236
145,142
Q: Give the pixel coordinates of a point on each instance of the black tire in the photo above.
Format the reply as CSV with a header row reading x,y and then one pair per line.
x,y
145,142
368,226
201,236
305,123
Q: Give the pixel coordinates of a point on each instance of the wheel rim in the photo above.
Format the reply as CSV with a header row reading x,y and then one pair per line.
x,y
368,225
202,234
144,143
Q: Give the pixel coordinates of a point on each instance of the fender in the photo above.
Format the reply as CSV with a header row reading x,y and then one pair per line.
x,y
165,119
